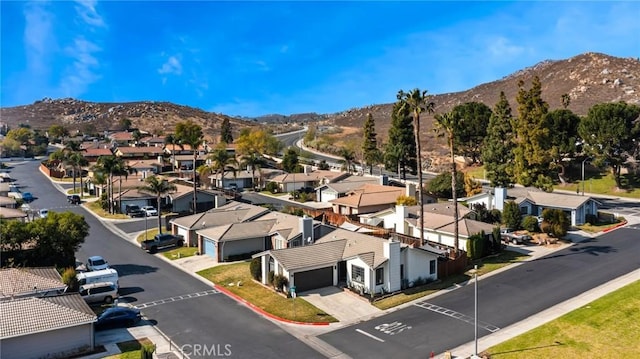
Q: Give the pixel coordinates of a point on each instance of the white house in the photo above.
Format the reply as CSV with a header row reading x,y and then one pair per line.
x,y
367,264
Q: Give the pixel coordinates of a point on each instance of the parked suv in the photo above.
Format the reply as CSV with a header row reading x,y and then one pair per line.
x,y
73,199
134,211
101,292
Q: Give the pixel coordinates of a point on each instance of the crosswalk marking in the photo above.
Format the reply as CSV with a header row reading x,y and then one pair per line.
x,y
456,315
176,298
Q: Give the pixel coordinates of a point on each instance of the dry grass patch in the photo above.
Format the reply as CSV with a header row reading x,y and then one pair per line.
x,y
228,276
95,208
605,328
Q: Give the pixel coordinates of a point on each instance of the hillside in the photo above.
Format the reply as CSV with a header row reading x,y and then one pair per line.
x,y
588,79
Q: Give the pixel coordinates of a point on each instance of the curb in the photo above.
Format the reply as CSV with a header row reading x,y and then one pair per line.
x,y
615,227
261,311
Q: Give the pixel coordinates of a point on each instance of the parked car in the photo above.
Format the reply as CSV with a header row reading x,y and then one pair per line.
x,y
43,213
162,241
134,211
150,211
101,292
27,197
509,235
73,199
95,263
118,317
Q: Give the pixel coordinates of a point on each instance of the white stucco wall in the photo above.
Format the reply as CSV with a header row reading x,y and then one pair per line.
x,y
367,281
55,343
416,264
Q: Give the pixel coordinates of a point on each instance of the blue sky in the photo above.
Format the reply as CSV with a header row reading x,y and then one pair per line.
x,y
264,57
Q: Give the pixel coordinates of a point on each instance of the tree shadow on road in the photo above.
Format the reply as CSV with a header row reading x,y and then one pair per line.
x,y
129,269
594,250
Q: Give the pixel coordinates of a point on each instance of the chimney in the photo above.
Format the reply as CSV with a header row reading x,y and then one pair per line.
x,y
384,180
401,214
306,228
499,197
391,251
410,190
219,201
160,159
307,169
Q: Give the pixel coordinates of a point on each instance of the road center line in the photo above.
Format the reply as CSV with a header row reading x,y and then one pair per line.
x,y
369,335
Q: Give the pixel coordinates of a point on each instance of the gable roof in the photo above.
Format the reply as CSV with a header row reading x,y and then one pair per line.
x,y
121,136
557,200
15,282
370,195
33,315
139,150
230,212
445,223
314,176
96,152
238,231
315,255
349,184
445,208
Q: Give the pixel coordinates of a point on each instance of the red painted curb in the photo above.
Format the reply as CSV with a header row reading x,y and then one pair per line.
x,y
614,227
260,310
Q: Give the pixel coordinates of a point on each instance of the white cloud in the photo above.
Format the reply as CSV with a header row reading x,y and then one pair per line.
x,y
87,12
38,36
171,66
82,72
502,47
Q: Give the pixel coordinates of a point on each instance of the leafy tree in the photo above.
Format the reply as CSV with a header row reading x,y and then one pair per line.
x,y
190,133
448,124
136,135
58,237
563,135
323,165
58,132
400,152
611,133
159,187
471,186
406,201
225,131
348,158
440,186
530,223
13,235
125,124
255,267
511,216
418,102
310,135
532,158
482,214
290,162
21,134
473,119
556,222
252,144
370,151
220,161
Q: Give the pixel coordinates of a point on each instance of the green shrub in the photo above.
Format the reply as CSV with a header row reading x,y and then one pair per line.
x,y
511,216
279,282
530,223
69,278
556,222
146,351
592,219
272,187
497,241
256,268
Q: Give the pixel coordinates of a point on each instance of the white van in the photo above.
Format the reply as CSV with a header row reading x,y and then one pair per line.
x,y
100,292
105,275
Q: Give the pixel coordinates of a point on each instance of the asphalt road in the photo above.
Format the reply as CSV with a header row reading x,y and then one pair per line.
x,y
446,321
207,320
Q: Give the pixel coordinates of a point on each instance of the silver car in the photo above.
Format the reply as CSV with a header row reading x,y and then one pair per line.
x,y
101,292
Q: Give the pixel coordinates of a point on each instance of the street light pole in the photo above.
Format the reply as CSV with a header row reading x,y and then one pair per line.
x,y
475,320
583,161
145,226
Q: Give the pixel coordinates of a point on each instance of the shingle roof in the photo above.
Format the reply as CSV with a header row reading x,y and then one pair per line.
x,y
444,223
349,185
31,315
96,152
11,213
445,208
5,201
316,255
239,231
557,200
140,150
314,176
229,213
370,195
24,281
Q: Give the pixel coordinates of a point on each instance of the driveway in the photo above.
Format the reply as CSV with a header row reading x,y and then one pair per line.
x,y
347,307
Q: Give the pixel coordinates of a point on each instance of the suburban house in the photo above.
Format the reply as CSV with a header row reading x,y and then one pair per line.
x,y
241,178
438,223
367,264
332,190
290,182
182,199
37,322
155,166
46,327
92,154
271,229
533,201
8,202
232,211
121,138
153,141
369,198
12,213
138,152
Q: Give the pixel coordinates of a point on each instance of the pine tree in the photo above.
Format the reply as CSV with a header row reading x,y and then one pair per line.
x,y
473,119
497,152
400,152
532,157
370,149
225,131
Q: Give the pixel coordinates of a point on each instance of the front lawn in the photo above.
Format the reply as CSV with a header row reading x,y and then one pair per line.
x,y
180,252
228,276
151,232
485,265
131,349
95,208
605,328
599,227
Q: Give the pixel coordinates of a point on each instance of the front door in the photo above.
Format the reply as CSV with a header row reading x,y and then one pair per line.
x,y
342,271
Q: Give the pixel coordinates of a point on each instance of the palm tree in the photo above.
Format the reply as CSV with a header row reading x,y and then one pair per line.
x,y
159,187
417,102
170,139
109,165
255,161
220,162
348,158
189,133
77,161
446,125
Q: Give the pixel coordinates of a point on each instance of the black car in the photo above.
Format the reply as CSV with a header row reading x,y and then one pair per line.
x,y
118,317
133,210
73,199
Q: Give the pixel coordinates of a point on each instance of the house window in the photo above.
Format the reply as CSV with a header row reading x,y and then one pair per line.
x,y
357,274
379,276
432,266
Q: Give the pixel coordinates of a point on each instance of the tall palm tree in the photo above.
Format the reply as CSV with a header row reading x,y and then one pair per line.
x,y
170,139
255,161
77,161
446,125
417,102
159,187
220,162
348,157
121,169
190,133
109,165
